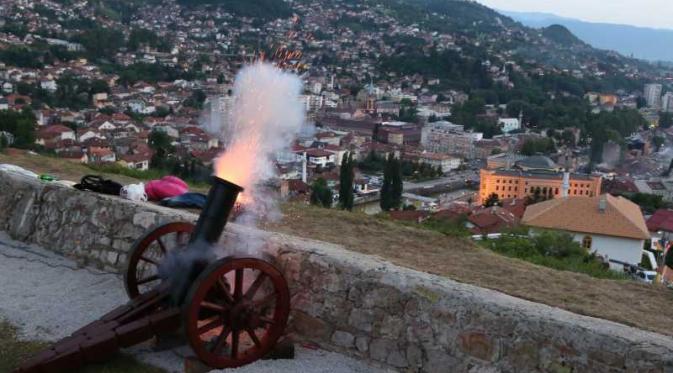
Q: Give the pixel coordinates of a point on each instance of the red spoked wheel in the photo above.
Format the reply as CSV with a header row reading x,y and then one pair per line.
x,y
230,326
147,253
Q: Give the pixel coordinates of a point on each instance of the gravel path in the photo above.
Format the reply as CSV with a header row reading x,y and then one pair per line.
x,y
47,297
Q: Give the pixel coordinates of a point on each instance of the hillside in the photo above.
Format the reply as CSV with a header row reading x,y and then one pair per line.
x,y
561,35
267,9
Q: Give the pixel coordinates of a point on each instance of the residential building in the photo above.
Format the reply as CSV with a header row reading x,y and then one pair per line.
x,y
653,95
667,102
444,161
515,183
508,125
612,227
448,138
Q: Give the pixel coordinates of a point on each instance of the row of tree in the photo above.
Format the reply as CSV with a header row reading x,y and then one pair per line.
x,y
391,189
21,125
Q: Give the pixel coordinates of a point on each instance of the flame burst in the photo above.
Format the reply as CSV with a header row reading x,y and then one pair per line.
x,y
266,118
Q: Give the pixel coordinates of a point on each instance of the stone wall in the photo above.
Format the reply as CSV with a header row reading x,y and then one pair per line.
x,y
353,303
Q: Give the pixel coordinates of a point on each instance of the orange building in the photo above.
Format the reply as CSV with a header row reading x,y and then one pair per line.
x,y
520,184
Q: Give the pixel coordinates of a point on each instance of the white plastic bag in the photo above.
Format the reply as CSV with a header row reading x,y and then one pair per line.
x,y
134,192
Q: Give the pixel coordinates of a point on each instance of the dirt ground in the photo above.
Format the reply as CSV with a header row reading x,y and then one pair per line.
x,y
628,302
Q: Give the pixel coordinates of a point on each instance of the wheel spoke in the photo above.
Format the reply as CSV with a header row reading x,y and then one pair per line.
x,y
217,322
255,286
213,306
146,259
149,279
238,284
253,336
161,245
234,343
225,291
221,339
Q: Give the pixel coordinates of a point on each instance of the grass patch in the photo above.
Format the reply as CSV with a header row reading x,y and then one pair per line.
x,y
14,351
449,227
554,250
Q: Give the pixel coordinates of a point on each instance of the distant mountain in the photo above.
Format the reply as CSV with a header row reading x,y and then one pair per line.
x,y
560,34
645,43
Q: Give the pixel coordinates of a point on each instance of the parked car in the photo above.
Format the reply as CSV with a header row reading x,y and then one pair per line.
x,y
646,276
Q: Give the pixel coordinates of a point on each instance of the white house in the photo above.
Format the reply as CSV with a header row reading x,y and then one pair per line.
x,y
509,124
320,157
49,85
610,226
445,162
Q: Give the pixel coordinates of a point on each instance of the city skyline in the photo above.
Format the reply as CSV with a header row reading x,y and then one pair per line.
x,y
646,13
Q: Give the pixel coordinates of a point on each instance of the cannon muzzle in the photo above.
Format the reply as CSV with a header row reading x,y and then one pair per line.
x,y
221,200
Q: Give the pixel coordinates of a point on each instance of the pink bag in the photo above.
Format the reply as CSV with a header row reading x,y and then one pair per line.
x,y
168,186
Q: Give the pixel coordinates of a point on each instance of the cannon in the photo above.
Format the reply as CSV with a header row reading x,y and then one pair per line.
x,y
232,311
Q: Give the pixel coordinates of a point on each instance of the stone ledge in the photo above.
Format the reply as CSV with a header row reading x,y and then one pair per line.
x,y
353,303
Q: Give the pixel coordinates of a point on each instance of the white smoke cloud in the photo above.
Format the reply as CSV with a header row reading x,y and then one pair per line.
x,y
266,117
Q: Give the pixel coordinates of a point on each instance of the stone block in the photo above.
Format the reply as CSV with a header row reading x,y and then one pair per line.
x,y
343,339
362,344
380,348
362,319
310,326
477,344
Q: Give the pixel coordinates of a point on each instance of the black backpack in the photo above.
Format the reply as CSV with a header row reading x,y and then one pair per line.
x,y
97,184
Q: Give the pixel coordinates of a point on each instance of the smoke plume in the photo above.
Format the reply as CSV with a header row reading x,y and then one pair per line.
x,y
266,117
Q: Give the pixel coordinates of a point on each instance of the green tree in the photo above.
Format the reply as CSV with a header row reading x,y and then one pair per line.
x,y
492,200
397,184
388,193
161,143
346,177
3,142
408,112
657,141
99,86
665,120
21,125
321,194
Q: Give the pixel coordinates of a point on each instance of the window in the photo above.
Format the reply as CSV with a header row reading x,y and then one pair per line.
x,y
586,242
557,191
497,187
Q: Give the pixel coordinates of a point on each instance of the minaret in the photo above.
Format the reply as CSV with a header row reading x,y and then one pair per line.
x,y
521,119
303,168
565,187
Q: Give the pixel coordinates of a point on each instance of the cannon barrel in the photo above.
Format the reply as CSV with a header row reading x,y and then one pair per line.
x,y
221,200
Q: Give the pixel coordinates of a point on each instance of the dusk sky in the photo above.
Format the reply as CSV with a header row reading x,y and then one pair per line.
x,y
646,13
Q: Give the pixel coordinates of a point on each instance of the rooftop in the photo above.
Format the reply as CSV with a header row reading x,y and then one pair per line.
x,y
620,218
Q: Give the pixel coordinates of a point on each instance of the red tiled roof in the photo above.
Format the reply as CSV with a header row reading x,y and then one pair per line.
x,y
662,220
492,220
317,153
